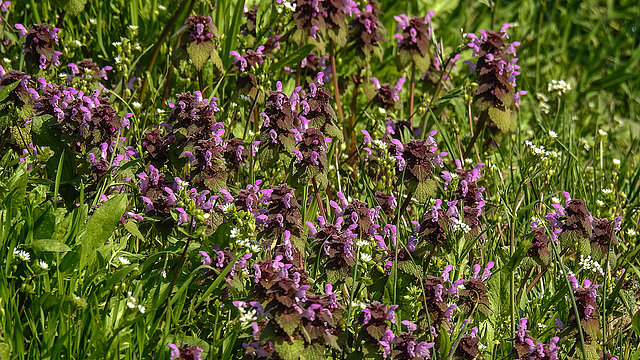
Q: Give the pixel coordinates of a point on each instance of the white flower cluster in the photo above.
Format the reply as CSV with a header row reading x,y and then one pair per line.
x,y
123,260
380,144
543,103
631,232
590,265
540,151
247,316
250,244
458,225
132,303
569,273
21,254
559,86
585,144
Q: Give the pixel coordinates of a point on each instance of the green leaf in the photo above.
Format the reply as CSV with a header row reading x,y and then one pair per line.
x,y
288,322
502,118
100,226
289,350
4,93
294,58
49,245
635,323
133,229
200,53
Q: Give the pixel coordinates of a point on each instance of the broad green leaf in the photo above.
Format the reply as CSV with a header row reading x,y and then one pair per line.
x,y
49,245
101,225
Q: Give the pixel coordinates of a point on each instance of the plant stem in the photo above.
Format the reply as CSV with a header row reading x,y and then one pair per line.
x,y
573,299
158,45
412,90
175,275
315,190
481,123
334,79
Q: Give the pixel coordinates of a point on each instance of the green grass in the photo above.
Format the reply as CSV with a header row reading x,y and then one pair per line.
x,y
83,307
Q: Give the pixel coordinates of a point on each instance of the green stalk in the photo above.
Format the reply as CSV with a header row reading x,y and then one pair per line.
x,y
412,90
158,45
573,299
334,79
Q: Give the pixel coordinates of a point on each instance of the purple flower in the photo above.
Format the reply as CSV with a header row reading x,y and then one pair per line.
x,y
391,315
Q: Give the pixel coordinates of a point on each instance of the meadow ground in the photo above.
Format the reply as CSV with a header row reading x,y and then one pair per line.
x,y
323,179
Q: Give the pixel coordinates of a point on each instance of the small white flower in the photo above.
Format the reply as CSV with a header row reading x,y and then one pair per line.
x,y
136,105
602,132
77,42
21,254
93,21
468,161
116,43
133,27
163,274
247,317
631,232
131,301
142,309
162,7
607,191
235,232
43,265
117,59
616,162
365,257
600,202
559,86
227,207
123,260
555,200
553,134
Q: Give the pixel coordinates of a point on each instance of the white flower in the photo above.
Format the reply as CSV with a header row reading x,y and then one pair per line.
x,y
116,43
365,257
555,200
600,202
468,161
553,134
163,274
142,309
631,232
136,105
123,260
227,207
247,317
458,225
235,232
21,254
131,301
162,7
93,21
117,59
616,162
607,191
133,27
43,265
602,132
559,86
